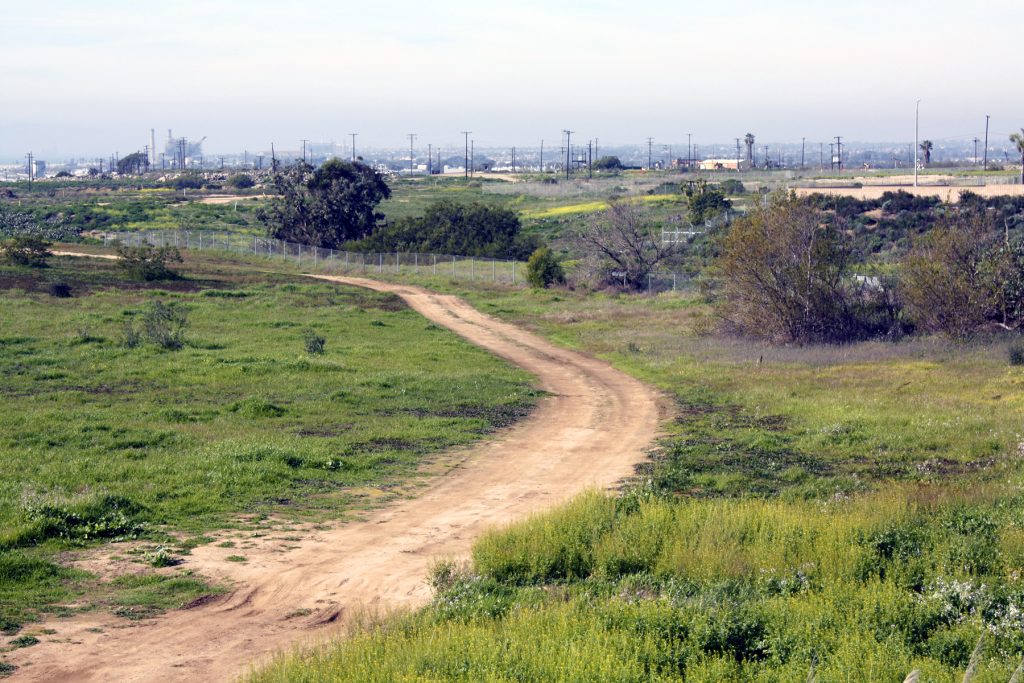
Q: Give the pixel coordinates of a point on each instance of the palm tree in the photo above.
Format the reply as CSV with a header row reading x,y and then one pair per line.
x,y
1018,139
749,140
926,147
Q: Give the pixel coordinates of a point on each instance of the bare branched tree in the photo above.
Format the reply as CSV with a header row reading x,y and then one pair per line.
x,y
623,239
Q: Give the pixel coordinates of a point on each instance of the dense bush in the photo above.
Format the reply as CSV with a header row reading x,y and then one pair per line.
x,y
447,227
146,262
327,206
783,275
964,274
241,181
26,250
543,269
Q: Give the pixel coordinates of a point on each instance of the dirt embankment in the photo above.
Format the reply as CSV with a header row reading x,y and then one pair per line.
x,y
592,428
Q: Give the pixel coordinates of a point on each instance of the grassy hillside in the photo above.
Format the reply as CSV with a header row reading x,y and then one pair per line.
x,y
823,513
102,441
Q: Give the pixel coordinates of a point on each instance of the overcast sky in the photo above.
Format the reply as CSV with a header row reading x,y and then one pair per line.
x,y
92,77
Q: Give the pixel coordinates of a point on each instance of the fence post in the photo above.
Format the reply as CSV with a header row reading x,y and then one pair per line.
x,y
648,283
200,240
494,271
435,264
513,271
453,266
416,263
380,265
255,245
673,282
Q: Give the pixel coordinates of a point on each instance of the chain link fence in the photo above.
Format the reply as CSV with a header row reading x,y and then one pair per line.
x,y
473,268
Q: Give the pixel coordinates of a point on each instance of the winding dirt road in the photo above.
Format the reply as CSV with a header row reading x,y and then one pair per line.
x,y
591,430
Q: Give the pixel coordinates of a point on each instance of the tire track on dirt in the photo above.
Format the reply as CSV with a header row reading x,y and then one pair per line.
x,y
591,430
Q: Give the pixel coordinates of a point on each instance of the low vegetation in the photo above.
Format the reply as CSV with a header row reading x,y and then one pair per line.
x,y
816,512
213,417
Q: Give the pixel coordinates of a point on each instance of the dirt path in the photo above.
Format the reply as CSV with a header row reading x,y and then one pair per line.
x,y
592,429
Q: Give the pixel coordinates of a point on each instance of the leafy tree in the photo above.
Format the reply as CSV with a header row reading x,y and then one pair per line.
x,y
783,275
608,163
26,250
327,206
543,269
623,239
133,164
241,181
447,227
705,201
147,262
1018,140
63,174
926,147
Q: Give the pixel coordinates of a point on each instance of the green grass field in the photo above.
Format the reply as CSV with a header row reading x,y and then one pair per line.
x,y
820,513
103,442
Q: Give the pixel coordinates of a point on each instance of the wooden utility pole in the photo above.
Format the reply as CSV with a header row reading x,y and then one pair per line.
x,y
412,139
985,167
466,133
568,151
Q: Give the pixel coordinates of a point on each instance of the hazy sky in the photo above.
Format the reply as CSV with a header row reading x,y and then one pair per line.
x,y
88,77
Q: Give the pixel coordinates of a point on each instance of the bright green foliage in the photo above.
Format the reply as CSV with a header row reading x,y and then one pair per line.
x,y
101,441
855,507
543,269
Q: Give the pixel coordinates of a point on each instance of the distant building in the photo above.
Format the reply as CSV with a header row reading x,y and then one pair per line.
x,y
721,164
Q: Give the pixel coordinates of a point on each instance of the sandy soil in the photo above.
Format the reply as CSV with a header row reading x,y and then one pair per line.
x,y
591,430
229,198
944,192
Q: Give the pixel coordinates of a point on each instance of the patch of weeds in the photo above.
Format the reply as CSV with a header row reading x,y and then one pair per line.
x,y
256,407
226,544
195,542
304,612
141,596
6,669
24,641
378,323
236,558
105,517
313,342
162,557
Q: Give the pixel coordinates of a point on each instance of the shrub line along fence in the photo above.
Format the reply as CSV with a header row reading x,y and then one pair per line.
x,y
332,260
